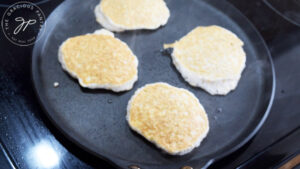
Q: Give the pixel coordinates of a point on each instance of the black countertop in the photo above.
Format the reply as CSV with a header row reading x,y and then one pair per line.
x,y
24,129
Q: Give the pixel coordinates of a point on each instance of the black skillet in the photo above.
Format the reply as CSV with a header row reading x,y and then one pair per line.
x,y
95,119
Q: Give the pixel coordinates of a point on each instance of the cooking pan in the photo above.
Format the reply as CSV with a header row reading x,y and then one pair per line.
x,y
95,119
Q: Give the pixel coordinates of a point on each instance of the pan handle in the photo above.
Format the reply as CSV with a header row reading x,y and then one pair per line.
x,y
194,164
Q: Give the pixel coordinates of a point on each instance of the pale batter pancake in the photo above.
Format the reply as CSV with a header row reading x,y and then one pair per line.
x,y
172,118
99,60
121,15
210,57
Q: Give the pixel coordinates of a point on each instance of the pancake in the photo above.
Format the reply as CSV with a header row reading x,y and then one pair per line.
x,y
118,16
172,118
210,57
99,61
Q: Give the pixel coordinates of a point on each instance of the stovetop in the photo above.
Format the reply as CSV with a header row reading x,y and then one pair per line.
x,y
26,135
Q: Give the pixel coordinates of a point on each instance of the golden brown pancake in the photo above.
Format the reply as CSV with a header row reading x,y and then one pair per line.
x,y
120,15
210,57
99,60
172,118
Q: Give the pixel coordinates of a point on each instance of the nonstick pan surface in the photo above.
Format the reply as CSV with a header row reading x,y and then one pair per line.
x,y
95,119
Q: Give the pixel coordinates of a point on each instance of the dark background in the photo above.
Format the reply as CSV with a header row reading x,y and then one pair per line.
x,y
23,124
